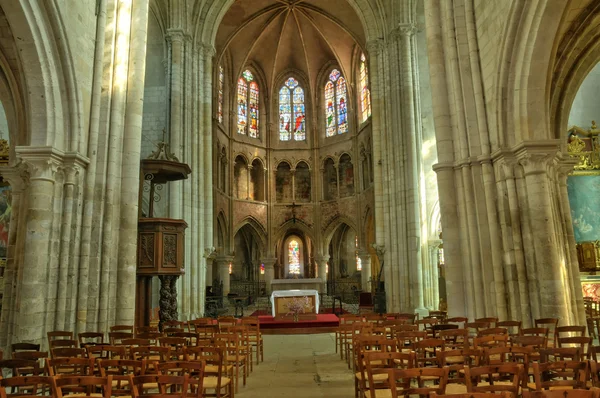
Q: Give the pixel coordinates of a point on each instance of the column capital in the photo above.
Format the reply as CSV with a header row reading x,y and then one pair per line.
x,y
16,175
375,47
364,255
224,259
177,35
210,253
536,163
404,30
322,258
208,50
41,163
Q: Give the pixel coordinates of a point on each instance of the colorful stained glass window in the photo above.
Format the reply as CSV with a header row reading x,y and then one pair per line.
x,y
220,98
262,269
253,128
336,105
291,111
294,257
358,260
365,93
247,100
342,109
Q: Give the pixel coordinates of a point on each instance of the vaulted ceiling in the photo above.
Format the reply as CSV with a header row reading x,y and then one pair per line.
x,y
279,35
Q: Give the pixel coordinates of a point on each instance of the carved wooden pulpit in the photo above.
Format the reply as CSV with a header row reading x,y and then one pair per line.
x,y
160,240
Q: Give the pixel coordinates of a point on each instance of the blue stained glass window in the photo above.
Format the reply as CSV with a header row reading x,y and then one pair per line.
x,y
336,105
294,257
292,111
247,104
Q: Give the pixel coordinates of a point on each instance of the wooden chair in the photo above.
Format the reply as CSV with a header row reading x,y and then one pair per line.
x,y
592,393
27,386
152,337
90,338
168,386
455,339
217,380
563,374
70,366
459,320
194,370
176,345
63,343
169,331
581,342
475,327
38,356
561,354
255,337
175,324
426,352
491,320
191,338
146,329
84,386
68,352
436,329
426,324
409,339
367,376
473,395
18,347
551,324
570,331
116,337
513,327
226,321
59,335
122,328
405,382
410,318
150,354
106,351
492,331
20,367
441,315
456,360
490,340
234,356
510,374
120,370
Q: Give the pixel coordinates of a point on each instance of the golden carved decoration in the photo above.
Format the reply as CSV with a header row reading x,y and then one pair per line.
x,y
585,146
4,151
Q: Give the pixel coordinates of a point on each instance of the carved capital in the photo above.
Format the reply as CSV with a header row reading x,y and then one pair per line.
x,y
375,47
210,253
17,176
175,35
406,29
536,163
269,262
208,51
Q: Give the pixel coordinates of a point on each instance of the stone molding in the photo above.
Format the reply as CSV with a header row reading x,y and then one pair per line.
x,y
375,47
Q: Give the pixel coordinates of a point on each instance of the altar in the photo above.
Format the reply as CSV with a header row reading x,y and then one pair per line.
x,y
297,284
279,299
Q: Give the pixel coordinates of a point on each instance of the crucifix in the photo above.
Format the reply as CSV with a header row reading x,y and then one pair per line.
x,y
293,206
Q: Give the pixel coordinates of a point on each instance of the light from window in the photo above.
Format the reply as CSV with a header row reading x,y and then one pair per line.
x,y
358,260
365,93
247,101
291,111
336,102
262,269
220,98
294,257
230,268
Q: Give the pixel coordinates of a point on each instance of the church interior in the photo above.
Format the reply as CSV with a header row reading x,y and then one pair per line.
x,y
299,167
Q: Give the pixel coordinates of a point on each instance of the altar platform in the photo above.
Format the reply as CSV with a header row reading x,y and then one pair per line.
x,y
321,323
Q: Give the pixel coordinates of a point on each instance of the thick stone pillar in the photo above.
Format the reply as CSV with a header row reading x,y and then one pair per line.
x,y
223,267
549,270
322,270
42,165
365,274
269,273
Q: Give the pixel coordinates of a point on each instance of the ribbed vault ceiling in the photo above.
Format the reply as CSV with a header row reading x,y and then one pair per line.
x,y
279,35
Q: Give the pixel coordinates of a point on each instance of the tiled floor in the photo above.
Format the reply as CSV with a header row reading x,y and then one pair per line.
x,y
299,366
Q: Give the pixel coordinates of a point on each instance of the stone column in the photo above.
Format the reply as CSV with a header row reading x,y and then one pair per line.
x,y
41,165
365,274
539,207
269,273
322,270
223,267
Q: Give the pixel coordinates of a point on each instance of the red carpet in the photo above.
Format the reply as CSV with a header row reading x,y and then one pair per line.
x,y
268,312
322,321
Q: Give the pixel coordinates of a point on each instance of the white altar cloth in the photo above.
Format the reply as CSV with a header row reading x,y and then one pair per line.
x,y
294,293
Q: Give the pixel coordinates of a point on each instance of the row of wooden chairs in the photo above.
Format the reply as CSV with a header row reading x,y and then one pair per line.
x,y
208,364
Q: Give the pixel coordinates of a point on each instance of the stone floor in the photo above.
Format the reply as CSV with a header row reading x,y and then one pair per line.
x,y
299,366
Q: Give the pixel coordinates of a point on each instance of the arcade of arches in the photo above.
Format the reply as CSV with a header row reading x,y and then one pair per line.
x,y
329,142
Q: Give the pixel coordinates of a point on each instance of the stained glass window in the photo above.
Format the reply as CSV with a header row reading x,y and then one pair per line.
x,y
220,99
336,105
294,257
247,100
262,269
365,93
358,260
291,111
